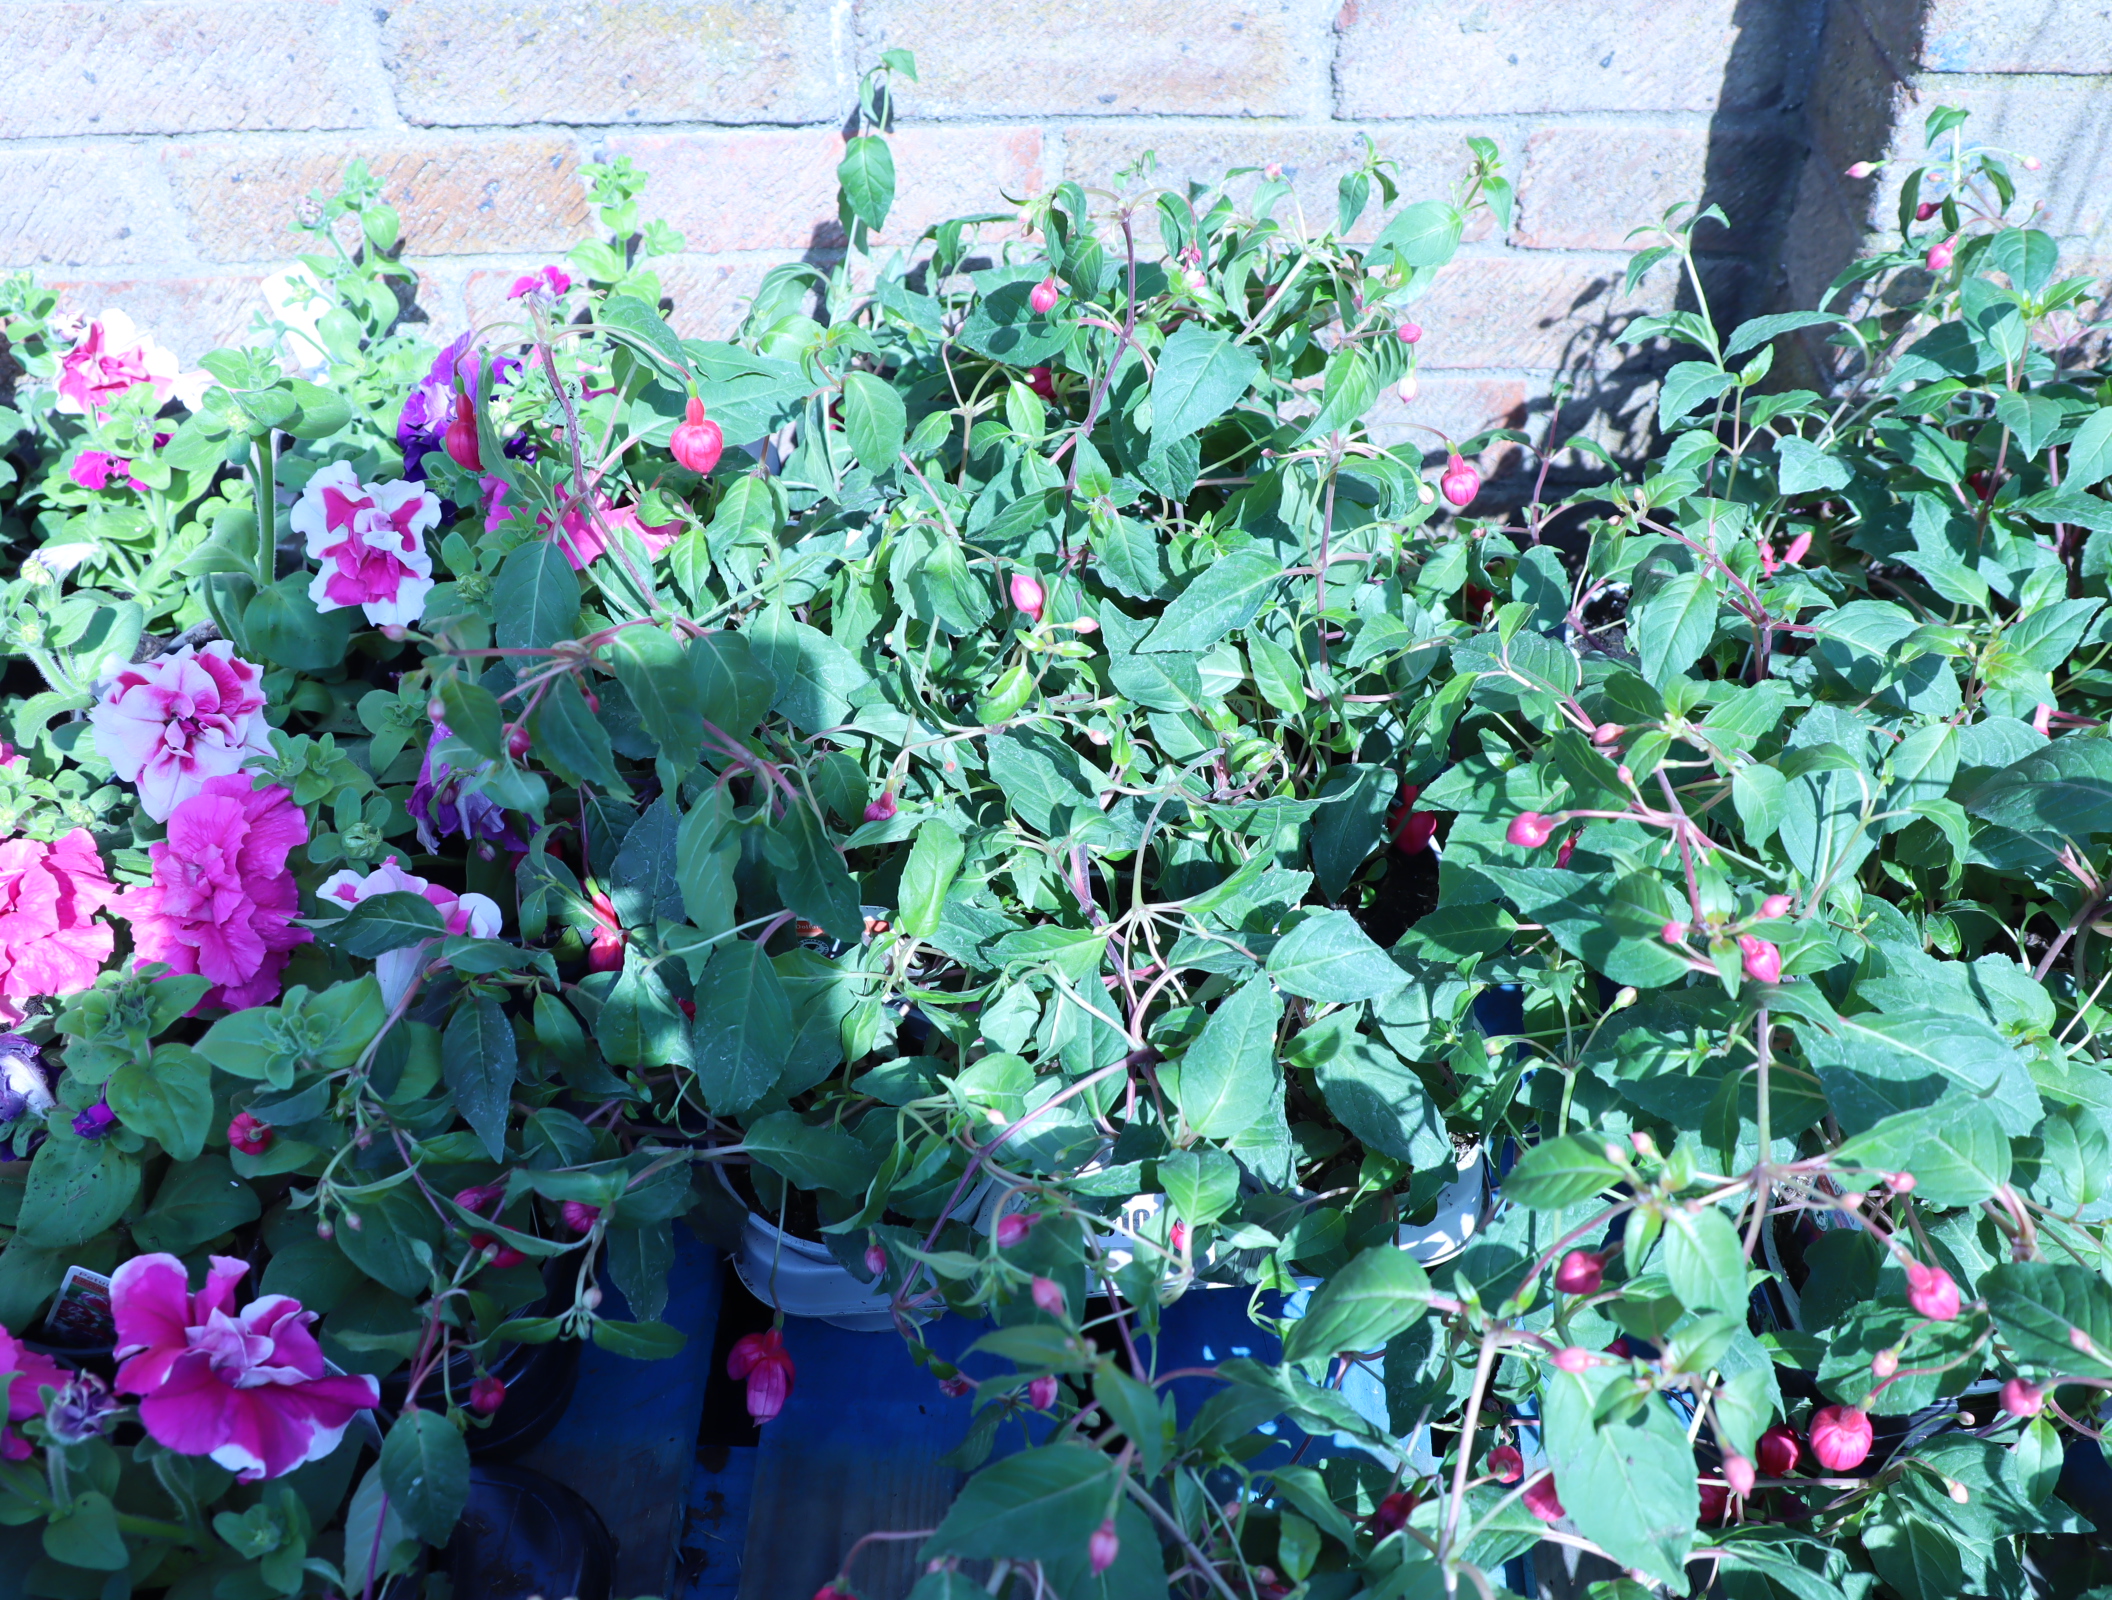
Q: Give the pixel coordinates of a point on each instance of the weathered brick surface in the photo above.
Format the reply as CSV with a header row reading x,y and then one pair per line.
x,y
1313,156
1587,187
456,196
2068,36
1526,311
86,67
464,62
1480,57
776,189
1859,90
1458,405
186,315
104,205
1037,58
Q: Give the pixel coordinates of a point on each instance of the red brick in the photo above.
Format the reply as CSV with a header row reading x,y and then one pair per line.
x,y
187,315
1587,188
1313,157
99,205
1458,405
456,196
471,62
1514,311
1034,58
776,190
2063,36
1481,57
79,67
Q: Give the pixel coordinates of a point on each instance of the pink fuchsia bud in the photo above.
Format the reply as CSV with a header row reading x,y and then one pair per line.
x,y
1884,1364
1776,905
517,741
2031,163
1530,830
460,441
1506,1465
1408,332
1900,1182
1738,1473
1939,257
1460,484
1862,169
1840,1437
480,1198
1607,733
1048,1295
579,1216
1028,594
1042,381
1799,548
955,1386
875,1260
1391,1514
1102,1548
1932,1292
1924,211
1568,849
1177,1236
1408,388
2042,719
1768,563
1763,961
486,1395
697,442
1673,933
1573,1359
1041,1393
1580,1272
881,809
2021,1399
1085,625
250,1136
1044,295
1541,1499
1778,1451
1012,1227
500,1253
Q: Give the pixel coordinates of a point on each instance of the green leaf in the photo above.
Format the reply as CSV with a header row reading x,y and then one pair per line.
x,y
169,1099
811,875
1425,234
742,1027
638,1024
934,861
654,666
1362,1306
1560,1173
425,1468
1801,467
1687,385
867,177
733,688
2090,452
198,1200
77,1188
639,1259
1350,827
640,1341
2064,788
1379,1098
1705,1260
874,420
2041,1306
1038,1505
1675,625
814,674
1229,1074
535,601
635,317
1329,957
570,740
813,1156
1200,376
1628,1485
282,625
86,1535
385,922
1227,594
479,1062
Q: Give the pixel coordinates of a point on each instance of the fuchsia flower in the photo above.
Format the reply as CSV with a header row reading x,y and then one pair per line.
x,y
1028,594
112,359
1541,1499
1048,1295
474,914
1012,1227
1932,1292
1391,1514
882,809
1041,1393
1763,961
369,540
1102,1548
1739,1474
1530,830
762,1362
1506,1465
23,1402
170,724
1572,1359
579,1217
1776,905
486,1395
552,281
1581,1272
247,1388
49,940
1840,1437
222,903
250,1136
582,539
2021,1399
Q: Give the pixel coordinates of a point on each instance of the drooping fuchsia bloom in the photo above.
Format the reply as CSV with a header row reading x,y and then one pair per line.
x,y
1506,1465
1048,1295
369,542
579,1217
1012,1227
169,724
1541,1499
247,1387
1763,961
1572,1359
1840,1437
112,359
1581,1272
31,1370
474,914
222,902
1027,594
1103,1547
697,442
1739,1474
881,809
1043,296
1041,1393
486,1395
551,281
1530,830
1932,1292
1778,1451
50,942
761,1361
1460,484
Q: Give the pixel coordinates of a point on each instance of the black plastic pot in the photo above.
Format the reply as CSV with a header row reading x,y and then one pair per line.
x,y
539,1381
523,1534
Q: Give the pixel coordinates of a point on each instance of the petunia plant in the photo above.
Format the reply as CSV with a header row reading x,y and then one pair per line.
x,y
1004,772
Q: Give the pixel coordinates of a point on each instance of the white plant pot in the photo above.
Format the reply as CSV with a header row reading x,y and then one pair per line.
x,y
1462,1209
800,1278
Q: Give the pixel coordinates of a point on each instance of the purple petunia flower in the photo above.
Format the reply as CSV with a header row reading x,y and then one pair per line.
x,y
24,1083
95,1121
430,406
440,807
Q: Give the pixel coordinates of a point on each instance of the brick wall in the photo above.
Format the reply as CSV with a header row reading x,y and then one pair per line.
x,y
152,152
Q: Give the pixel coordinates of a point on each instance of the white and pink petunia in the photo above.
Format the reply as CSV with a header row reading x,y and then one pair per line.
x,y
168,725
474,914
248,1388
369,539
113,358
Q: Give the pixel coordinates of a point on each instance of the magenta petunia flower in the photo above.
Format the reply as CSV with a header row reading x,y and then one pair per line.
x,y
49,940
92,469
112,359
369,539
222,903
474,914
430,406
170,724
247,1388
551,281
23,1402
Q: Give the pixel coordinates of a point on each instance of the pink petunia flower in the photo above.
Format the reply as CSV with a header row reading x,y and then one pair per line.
x,y
247,1388
93,469
170,724
23,1401
474,914
369,539
49,894
582,540
222,903
112,359
552,282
